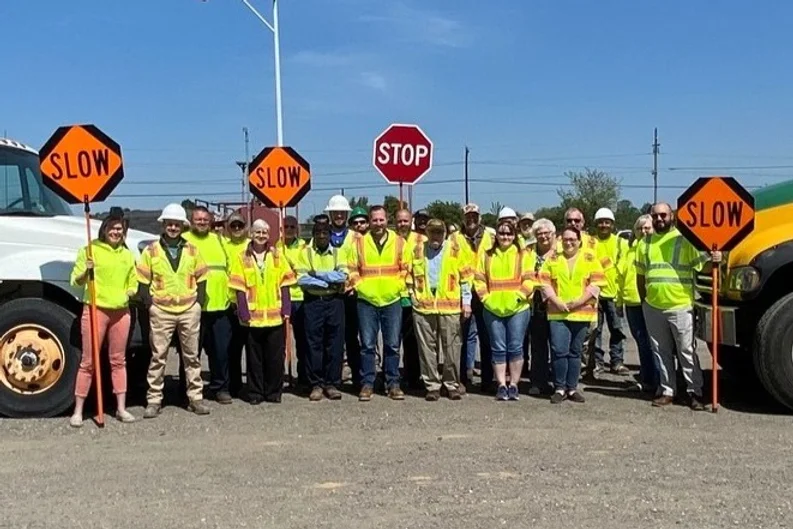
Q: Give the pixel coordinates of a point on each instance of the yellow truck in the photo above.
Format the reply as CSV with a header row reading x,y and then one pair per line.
x,y
756,298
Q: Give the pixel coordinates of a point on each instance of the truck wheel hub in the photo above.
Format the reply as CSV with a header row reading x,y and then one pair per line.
x,y
31,359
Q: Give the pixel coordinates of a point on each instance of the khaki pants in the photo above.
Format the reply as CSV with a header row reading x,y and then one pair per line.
x,y
672,335
438,334
163,325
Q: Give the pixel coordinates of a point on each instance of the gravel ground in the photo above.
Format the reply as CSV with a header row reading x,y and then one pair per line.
x,y
612,462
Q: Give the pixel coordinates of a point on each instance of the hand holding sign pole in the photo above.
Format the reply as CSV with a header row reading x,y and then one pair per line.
x,y
81,164
279,177
715,214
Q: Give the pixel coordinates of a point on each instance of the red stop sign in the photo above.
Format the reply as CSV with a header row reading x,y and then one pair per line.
x,y
402,154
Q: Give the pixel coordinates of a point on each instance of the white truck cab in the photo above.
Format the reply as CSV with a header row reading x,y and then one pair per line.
x,y
39,311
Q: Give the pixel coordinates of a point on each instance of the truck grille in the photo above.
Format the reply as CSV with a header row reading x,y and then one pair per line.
x,y
703,281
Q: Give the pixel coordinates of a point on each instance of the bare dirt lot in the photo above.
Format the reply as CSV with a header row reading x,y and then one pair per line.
x,y
613,462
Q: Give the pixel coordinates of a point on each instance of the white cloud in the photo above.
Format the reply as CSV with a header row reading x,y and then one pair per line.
x,y
424,26
374,81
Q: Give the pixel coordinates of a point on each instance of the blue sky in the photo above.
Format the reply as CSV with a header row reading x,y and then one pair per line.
x,y
534,88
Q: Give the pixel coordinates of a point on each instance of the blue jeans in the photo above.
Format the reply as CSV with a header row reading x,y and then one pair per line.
x,y
468,349
567,341
506,335
649,370
607,311
372,320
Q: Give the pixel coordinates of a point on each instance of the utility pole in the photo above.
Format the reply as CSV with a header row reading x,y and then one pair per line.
x,y
243,165
410,197
655,164
466,173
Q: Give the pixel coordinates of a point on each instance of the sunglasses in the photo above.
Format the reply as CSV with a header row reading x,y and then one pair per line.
x,y
659,215
506,234
574,220
237,226
359,222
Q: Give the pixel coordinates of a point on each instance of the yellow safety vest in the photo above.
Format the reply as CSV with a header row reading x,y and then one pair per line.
x,y
472,255
668,263
570,286
292,253
173,291
262,286
627,291
505,280
447,298
312,260
378,277
114,275
610,252
233,250
214,255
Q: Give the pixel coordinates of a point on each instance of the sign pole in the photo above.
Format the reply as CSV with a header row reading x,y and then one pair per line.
x,y
288,322
100,413
714,318
401,203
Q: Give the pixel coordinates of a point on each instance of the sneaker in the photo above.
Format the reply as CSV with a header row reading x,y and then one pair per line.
x,y
663,400
695,404
502,393
76,421
332,393
513,393
576,396
432,396
366,394
223,398
316,394
396,393
599,368
125,416
198,407
152,411
557,397
620,369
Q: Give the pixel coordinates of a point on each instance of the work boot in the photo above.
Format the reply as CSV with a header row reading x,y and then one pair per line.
x,y
620,369
663,400
455,394
557,397
432,396
366,394
316,394
223,398
396,393
198,407
576,396
152,411
332,393
695,404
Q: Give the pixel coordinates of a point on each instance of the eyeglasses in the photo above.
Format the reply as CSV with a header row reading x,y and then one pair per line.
x,y
356,222
573,220
237,226
659,215
542,234
505,234
569,239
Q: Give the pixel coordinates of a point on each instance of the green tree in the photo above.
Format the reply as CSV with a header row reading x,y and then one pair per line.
x,y
554,213
188,204
591,190
448,212
362,202
391,205
489,219
625,215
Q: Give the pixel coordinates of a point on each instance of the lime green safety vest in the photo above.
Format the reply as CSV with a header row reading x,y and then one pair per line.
x,y
570,285
173,291
610,252
213,252
454,271
505,280
668,263
292,253
379,277
115,279
312,260
261,286
627,291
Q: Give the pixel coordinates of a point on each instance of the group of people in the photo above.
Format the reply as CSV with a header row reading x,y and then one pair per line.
x,y
534,300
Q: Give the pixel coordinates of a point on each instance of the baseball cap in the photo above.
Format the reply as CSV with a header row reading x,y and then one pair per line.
x,y
436,226
421,213
470,208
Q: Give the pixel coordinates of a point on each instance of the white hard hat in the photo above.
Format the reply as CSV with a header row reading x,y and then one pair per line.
x,y
173,212
506,213
338,203
604,213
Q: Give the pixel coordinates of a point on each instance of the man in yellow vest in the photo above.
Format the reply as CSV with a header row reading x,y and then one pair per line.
x,y
609,250
172,282
322,274
410,347
291,250
377,273
666,264
215,314
439,280
476,239
235,242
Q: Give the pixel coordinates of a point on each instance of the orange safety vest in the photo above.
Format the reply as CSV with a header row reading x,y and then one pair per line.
x,y
454,271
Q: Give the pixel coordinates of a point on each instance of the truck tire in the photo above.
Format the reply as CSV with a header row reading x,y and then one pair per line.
x,y
773,351
39,358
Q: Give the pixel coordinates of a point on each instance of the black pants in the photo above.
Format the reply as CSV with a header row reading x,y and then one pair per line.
x,y
485,357
301,345
214,340
324,327
410,350
265,351
351,343
239,334
539,332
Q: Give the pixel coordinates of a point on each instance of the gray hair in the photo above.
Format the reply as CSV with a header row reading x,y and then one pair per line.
x,y
641,220
260,224
543,223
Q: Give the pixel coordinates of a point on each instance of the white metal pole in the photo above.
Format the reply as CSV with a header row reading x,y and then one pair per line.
x,y
279,118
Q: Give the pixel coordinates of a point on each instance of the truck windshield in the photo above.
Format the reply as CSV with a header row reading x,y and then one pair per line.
x,y
21,189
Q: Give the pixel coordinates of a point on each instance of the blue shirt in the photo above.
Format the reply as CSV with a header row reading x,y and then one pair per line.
x,y
434,271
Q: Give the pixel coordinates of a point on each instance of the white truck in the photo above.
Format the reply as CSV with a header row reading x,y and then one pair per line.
x,y
39,311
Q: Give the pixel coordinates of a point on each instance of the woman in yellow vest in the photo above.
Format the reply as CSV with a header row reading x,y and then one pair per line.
x,y
571,283
113,267
504,281
261,278
630,305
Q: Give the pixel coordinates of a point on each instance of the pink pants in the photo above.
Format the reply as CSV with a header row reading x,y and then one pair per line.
x,y
114,324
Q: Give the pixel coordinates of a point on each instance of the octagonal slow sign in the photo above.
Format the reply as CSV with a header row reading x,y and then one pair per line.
x,y
402,154
279,177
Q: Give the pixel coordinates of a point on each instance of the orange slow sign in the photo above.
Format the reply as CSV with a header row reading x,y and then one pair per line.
x,y
279,177
715,213
81,164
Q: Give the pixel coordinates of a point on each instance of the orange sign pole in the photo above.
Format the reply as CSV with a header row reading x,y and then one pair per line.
x,y
714,325
288,321
100,411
